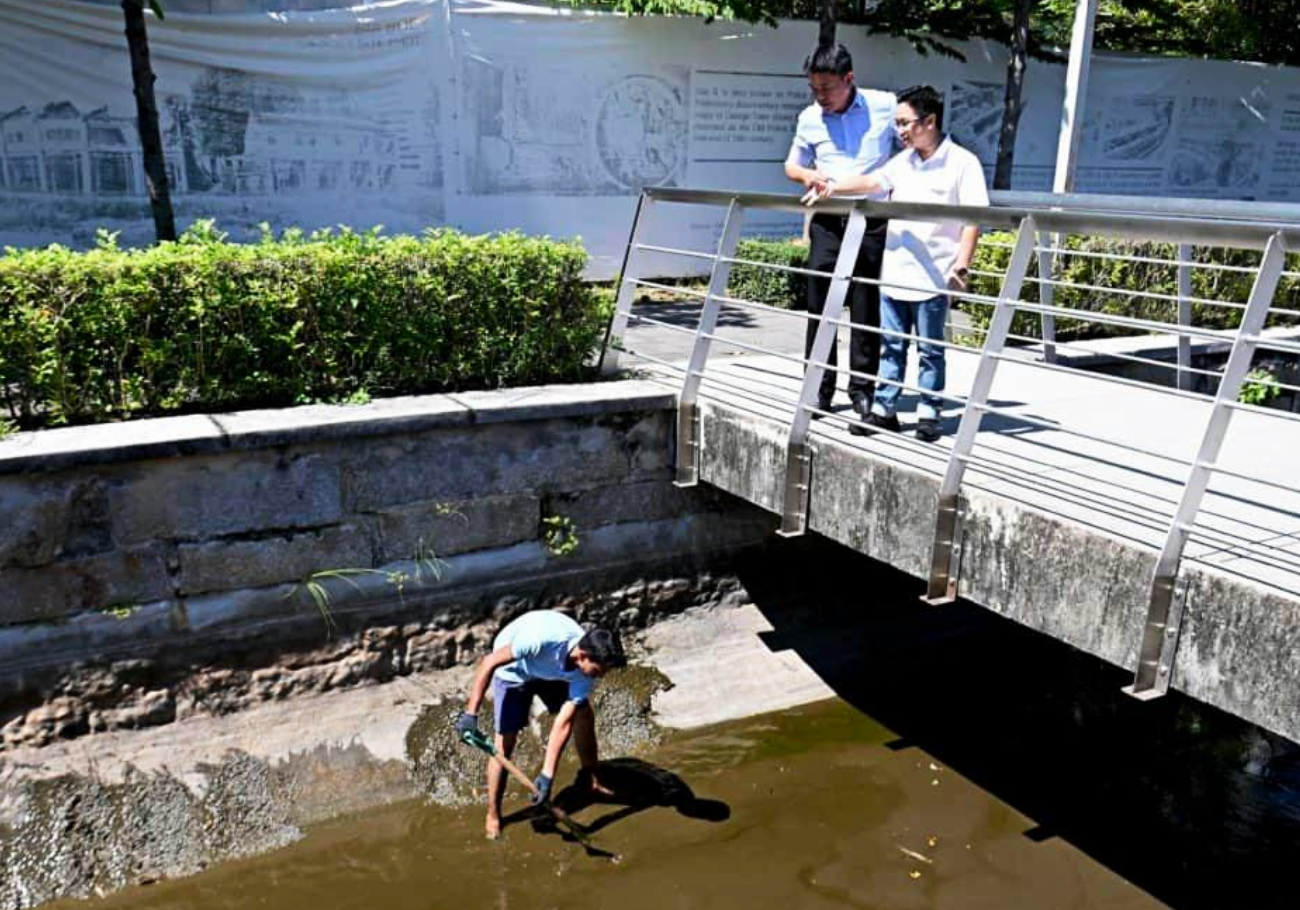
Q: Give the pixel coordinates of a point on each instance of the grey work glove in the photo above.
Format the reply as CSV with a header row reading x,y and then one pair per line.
x,y
543,794
466,723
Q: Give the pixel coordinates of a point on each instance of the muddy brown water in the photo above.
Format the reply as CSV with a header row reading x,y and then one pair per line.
x,y
812,807
967,763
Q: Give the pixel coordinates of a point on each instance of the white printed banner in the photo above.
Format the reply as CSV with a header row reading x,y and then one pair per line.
x,y
304,119
491,116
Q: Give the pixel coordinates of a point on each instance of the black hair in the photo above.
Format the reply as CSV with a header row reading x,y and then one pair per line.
x,y
604,647
925,100
827,59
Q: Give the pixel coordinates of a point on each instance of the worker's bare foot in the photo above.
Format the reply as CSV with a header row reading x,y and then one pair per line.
x,y
598,788
493,828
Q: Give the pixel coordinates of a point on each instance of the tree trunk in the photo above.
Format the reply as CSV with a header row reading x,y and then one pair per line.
x,y
826,34
146,115
1011,105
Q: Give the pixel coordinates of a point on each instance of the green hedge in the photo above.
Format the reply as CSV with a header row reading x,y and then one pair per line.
x,y
787,290
203,324
994,252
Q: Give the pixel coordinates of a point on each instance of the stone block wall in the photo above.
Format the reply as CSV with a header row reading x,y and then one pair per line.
x,y
195,563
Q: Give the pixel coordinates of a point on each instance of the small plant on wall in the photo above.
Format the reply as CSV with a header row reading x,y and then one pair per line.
x,y
1260,388
429,568
559,535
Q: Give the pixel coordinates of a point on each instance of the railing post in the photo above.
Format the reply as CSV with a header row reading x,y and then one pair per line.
x,y
1046,294
945,561
798,464
1165,610
1184,316
688,415
626,287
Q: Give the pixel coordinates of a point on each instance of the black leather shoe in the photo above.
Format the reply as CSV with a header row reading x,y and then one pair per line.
x,y
861,406
824,403
928,430
876,423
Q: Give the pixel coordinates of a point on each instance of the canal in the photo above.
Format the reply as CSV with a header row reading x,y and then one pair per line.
x,y
965,763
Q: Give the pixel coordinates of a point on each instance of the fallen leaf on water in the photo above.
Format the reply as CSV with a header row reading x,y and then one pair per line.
x,y
914,855
915,873
931,841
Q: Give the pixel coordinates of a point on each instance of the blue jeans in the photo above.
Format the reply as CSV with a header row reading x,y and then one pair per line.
x,y
924,318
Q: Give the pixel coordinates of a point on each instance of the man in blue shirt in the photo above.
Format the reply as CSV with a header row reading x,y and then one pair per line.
x,y
545,654
846,131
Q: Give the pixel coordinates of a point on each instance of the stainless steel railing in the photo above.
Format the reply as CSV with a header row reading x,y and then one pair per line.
x,y
1174,493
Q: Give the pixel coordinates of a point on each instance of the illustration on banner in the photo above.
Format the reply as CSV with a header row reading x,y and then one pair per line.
x,y
975,117
231,138
603,134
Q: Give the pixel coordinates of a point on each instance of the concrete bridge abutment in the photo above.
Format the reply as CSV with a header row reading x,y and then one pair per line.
x,y
1238,644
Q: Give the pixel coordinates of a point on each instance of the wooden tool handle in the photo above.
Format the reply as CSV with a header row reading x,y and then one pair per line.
x,y
514,770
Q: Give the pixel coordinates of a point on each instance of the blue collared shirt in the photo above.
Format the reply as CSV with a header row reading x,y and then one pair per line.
x,y
857,141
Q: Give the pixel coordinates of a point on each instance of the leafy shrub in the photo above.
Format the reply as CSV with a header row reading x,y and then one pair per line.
x,y
774,287
202,324
1129,273
1259,388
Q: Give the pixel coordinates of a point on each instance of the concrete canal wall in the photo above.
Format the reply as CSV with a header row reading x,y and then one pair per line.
x,y
196,565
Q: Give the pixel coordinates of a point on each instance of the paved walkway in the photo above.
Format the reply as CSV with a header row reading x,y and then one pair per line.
x,y
1113,456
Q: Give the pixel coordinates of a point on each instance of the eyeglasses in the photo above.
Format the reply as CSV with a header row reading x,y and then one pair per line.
x,y
904,124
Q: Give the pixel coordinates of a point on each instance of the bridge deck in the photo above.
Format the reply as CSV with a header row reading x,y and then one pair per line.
x,y
1128,490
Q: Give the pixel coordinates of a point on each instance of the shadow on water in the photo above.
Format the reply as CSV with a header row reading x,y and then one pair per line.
x,y
635,785
1198,808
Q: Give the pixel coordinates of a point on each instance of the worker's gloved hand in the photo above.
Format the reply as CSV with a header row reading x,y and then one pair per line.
x,y
543,794
466,723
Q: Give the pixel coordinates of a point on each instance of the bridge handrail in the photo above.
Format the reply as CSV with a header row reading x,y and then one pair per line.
x,y
1034,218
1140,222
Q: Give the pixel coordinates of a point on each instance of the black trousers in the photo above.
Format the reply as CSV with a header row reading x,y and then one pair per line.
x,y
825,234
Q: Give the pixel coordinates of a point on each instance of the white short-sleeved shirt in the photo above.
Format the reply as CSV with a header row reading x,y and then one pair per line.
x,y
541,641
918,254
841,145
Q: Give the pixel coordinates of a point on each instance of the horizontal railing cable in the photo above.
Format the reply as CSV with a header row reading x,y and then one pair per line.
x,y
673,251
666,364
1056,427
1151,325
1098,254
1115,355
650,320
741,303
1150,518
1276,344
1108,380
669,288
1130,292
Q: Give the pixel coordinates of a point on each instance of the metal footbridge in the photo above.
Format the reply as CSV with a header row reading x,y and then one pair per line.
x,y
1133,495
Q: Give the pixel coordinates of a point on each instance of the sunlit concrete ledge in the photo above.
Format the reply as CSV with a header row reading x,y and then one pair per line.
x,y
198,434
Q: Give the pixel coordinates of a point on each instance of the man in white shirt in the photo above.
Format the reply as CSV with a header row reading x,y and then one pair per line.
x,y
845,132
923,259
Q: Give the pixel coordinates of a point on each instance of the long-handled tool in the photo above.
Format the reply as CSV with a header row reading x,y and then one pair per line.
x,y
476,739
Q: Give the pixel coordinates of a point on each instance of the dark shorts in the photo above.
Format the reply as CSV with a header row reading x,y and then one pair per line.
x,y
511,702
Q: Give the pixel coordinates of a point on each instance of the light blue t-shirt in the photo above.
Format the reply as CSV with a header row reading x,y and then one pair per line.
x,y
541,641
857,141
